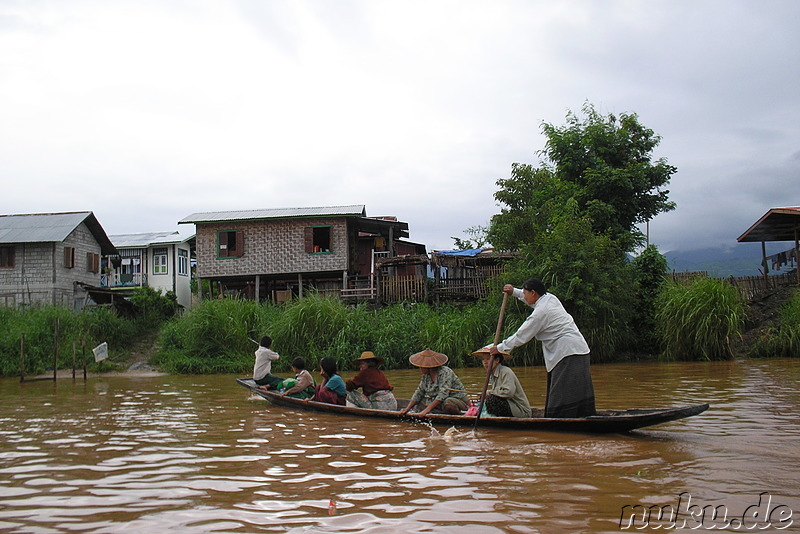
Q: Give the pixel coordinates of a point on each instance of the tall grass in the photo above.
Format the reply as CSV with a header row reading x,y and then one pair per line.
x,y
87,329
38,324
213,337
782,340
700,321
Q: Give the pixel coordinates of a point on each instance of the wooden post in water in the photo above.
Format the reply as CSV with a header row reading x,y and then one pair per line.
x,y
55,350
74,349
83,351
22,357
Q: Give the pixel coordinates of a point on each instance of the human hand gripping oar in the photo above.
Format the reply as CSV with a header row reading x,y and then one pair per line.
x,y
482,398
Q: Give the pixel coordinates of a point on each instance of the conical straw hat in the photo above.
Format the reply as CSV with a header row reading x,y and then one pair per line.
x,y
484,351
428,359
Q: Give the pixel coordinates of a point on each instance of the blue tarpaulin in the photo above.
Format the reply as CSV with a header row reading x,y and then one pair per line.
x,y
468,252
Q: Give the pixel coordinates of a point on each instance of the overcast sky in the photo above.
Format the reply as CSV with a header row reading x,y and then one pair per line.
x,y
147,111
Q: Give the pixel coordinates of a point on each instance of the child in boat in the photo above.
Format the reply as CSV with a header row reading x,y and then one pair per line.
x,y
505,397
332,389
377,392
439,390
304,385
262,370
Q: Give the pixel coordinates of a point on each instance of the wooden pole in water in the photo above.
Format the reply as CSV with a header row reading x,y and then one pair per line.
x,y
83,351
22,357
74,350
482,398
55,351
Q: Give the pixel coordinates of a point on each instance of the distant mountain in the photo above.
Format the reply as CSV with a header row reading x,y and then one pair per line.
x,y
742,259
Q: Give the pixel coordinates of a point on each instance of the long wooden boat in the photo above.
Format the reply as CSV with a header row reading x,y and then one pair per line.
x,y
606,421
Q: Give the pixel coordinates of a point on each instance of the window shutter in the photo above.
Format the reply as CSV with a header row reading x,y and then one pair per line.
x,y
222,237
92,262
309,239
69,257
239,252
7,256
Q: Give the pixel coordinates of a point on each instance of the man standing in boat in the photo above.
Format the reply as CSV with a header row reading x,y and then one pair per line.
x,y
570,392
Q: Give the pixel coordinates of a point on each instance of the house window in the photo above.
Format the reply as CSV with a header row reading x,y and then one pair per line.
x,y
69,257
93,262
230,244
183,262
131,262
318,239
160,260
6,257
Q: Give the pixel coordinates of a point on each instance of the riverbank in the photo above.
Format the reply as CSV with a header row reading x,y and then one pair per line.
x,y
761,319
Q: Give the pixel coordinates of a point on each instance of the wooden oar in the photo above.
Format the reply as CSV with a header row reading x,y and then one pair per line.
x,y
482,398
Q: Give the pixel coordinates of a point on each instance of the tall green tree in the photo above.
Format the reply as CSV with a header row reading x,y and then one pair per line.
x,y
574,218
604,163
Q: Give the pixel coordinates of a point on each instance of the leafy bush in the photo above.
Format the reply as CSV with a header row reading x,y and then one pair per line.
x,y
650,269
699,321
152,308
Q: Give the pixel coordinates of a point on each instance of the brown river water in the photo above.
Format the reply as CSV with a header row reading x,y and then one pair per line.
x,y
200,454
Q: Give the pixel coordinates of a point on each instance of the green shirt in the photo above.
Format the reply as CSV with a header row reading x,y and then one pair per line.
x,y
446,381
504,383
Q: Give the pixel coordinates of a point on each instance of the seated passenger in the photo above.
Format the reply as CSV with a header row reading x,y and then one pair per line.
x,y
304,385
262,370
439,390
505,396
332,390
377,392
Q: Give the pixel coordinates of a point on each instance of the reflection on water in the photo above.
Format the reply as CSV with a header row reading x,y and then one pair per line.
x,y
199,454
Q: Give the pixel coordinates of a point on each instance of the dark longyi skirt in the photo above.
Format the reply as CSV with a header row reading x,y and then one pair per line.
x,y
570,392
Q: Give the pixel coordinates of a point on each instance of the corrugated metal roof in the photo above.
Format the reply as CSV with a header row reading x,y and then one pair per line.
x,y
356,210
145,239
40,227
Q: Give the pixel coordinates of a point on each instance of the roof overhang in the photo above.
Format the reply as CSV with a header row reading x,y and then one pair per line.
x,y
372,225
778,224
356,210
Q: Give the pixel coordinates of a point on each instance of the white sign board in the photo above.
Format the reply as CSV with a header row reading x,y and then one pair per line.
x,y
100,352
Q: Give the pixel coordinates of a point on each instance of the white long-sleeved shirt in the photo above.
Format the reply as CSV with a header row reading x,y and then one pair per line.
x,y
550,323
263,365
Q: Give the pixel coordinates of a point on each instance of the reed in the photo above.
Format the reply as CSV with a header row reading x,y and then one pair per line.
x,y
699,321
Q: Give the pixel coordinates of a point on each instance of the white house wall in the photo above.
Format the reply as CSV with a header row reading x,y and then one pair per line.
x,y
171,280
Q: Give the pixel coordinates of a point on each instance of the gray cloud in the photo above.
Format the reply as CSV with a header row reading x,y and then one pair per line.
x,y
145,112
